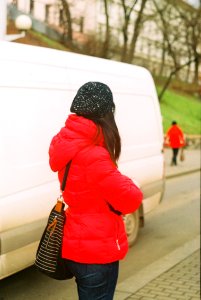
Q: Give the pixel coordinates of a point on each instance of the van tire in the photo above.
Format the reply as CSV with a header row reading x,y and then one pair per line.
x,y
132,225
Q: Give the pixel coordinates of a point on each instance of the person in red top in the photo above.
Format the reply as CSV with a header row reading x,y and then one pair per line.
x,y
175,139
96,193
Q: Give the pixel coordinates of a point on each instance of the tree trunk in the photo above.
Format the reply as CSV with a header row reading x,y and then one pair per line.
x,y
106,42
196,76
188,73
162,58
125,45
136,32
67,22
127,14
166,34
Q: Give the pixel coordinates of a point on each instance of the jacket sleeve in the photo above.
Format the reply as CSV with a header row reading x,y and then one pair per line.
x,y
57,147
59,151
117,189
181,138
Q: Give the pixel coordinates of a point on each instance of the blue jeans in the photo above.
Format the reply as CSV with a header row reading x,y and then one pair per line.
x,y
95,281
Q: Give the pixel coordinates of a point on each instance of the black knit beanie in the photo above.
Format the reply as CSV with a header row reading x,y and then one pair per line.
x,y
93,100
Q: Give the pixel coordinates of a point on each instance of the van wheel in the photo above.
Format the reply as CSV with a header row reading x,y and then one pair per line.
x,y
132,224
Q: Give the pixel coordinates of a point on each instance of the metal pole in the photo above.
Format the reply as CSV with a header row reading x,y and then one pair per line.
x,y
3,18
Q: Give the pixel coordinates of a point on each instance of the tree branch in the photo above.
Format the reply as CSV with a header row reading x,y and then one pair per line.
x,y
172,73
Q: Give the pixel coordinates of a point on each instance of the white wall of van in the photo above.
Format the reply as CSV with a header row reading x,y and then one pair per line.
x,y
37,86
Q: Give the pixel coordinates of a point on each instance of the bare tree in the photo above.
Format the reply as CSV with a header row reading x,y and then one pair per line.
x,y
136,31
172,73
106,42
127,10
192,30
174,38
163,55
66,21
171,34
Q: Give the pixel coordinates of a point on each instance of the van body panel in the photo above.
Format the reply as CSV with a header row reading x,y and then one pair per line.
x,y
37,86
27,206
21,236
11,262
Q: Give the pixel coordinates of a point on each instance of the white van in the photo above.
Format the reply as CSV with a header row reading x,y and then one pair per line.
x,y
37,86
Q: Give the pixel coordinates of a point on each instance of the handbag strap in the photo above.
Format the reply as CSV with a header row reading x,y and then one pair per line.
x,y
63,185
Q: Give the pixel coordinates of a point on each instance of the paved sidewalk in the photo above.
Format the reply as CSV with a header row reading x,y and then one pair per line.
x,y
173,277
190,164
181,282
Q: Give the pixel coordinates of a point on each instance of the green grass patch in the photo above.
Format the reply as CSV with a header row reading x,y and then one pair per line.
x,y
184,109
48,42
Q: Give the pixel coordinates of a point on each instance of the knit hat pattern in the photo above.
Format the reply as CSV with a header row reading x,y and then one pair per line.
x,y
93,100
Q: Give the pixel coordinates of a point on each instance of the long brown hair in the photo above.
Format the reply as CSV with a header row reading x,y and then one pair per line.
x,y
111,135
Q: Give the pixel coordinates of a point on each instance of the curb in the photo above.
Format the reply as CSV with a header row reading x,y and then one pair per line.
x,y
132,284
182,173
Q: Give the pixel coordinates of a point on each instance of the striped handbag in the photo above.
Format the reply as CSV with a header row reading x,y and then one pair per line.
x,y
48,256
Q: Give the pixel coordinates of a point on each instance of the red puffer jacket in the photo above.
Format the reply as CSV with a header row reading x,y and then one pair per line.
x,y
175,137
92,233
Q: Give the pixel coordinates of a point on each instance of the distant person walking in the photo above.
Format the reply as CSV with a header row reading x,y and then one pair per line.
x,y
174,139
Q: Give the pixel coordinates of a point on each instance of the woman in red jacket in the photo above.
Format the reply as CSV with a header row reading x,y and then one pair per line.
x,y
175,139
96,193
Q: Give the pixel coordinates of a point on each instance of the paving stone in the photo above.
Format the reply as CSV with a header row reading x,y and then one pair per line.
x,y
182,282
